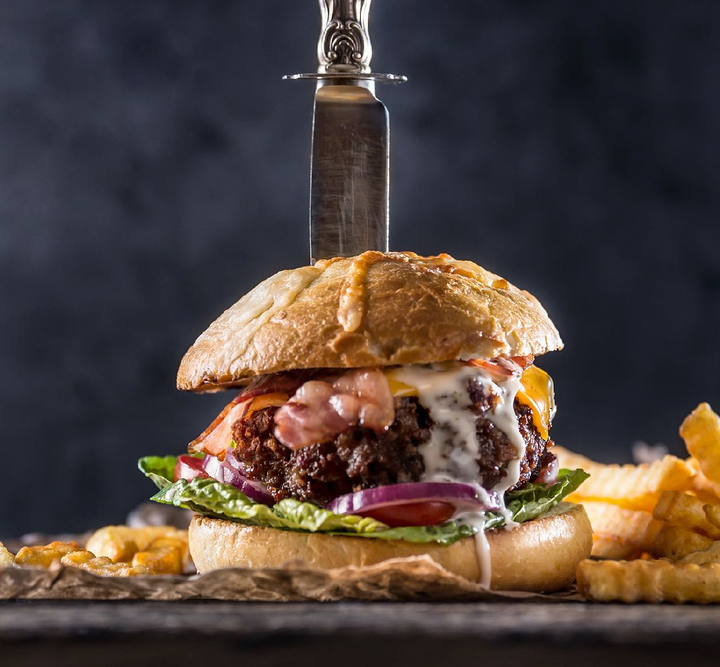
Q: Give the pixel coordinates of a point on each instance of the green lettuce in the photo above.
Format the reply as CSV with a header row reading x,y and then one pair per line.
x,y
534,499
160,469
212,498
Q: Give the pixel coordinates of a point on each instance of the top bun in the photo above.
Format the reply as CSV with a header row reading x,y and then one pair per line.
x,y
376,309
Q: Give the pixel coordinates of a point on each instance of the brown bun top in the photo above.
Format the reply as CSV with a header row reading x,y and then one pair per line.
x,y
376,309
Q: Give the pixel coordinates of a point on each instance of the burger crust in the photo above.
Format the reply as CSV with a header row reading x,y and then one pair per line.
x,y
537,556
376,309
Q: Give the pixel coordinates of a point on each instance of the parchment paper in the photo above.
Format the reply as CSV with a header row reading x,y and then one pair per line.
x,y
417,578
401,579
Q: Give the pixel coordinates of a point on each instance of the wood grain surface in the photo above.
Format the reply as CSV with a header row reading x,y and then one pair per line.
x,y
137,633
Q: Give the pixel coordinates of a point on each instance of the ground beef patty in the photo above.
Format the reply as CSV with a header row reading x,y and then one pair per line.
x,y
361,459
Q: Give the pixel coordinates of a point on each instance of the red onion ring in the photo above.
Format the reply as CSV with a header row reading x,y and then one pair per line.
x,y
463,497
223,472
188,467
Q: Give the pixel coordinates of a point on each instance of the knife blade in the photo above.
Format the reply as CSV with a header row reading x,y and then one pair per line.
x,y
350,159
349,172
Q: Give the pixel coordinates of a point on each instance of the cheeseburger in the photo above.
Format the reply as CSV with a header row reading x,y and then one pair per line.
x,y
386,405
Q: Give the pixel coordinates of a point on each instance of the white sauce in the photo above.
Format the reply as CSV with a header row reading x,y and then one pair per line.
x,y
451,453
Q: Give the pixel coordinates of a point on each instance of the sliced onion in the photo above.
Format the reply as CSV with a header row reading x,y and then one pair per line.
x,y
189,467
227,473
463,497
254,490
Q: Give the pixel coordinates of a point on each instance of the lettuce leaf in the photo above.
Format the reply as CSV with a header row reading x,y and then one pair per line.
x,y
160,469
534,499
212,498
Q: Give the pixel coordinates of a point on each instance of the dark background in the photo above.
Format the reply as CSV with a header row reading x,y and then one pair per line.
x,y
154,167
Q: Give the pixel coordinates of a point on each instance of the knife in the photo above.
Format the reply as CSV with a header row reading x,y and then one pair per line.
x,y
350,161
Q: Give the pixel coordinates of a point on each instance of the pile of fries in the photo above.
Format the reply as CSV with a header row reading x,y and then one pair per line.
x,y
112,551
656,525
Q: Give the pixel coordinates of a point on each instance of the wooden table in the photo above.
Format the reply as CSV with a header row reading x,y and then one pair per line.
x,y
355,634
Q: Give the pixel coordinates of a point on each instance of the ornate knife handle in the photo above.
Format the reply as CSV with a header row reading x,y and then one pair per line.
x,y
344,44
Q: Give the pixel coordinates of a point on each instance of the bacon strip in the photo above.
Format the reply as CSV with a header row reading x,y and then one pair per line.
x,y
286,383
503,366
524,362
216,438
319,411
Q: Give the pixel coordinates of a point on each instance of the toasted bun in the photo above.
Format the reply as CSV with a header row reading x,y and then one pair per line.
x,y
377,309
539,555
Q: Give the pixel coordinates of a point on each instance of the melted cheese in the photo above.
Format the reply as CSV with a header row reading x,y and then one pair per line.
x,y
537,393
398,388
274,400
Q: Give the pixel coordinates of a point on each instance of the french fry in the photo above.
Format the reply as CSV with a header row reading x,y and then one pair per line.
x,y
709,555
112,551
685,511
572,460
712,514
633,528
683,529
78,558
701,433
649,581
101,566
702,487
114,542
633,487
164,555
173,542
44,556
145,536
111,569
6,558
674,543
161,560
610,549
121,543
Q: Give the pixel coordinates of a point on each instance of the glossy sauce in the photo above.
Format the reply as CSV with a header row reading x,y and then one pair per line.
x,y
451,453
351,306
352,294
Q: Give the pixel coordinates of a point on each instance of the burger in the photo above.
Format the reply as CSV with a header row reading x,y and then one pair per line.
x,y
385,406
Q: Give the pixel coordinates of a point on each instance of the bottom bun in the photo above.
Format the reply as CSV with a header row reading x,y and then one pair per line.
x,y
539,555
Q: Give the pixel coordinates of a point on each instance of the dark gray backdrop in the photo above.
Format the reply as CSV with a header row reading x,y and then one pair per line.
x,y
153,167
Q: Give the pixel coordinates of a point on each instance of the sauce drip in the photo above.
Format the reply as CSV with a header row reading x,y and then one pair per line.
x,y
451,453
352,294
351,305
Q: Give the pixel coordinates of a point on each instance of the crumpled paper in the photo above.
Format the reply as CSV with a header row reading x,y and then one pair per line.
x,y
403,579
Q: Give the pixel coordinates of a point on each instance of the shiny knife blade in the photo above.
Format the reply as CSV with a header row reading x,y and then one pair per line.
x,y
350,162
350,172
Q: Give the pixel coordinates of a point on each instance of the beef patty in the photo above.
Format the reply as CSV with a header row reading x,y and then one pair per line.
x,y
360,458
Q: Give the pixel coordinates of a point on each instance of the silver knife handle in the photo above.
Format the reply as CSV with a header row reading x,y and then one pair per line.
x,y
344,44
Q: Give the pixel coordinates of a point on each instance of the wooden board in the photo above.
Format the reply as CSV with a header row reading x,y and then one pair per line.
x,y
359,633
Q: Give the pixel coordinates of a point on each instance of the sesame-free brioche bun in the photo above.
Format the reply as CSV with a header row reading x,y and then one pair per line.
x,y
539,555
376,309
